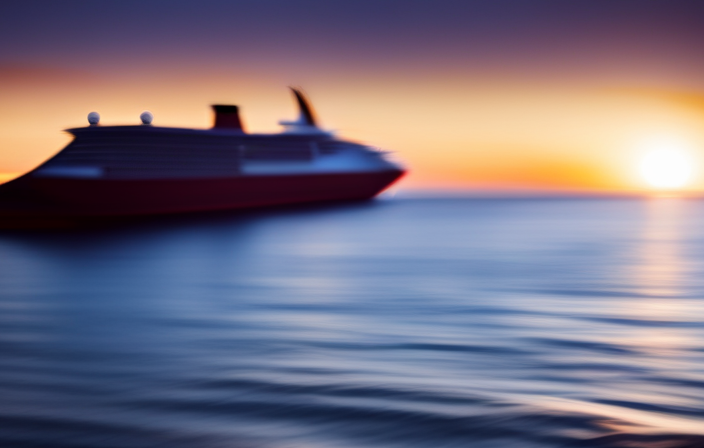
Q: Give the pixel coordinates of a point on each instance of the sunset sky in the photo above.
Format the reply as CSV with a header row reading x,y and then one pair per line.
x,y
474,95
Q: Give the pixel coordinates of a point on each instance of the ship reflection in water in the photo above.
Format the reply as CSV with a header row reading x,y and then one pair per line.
x,y
421,323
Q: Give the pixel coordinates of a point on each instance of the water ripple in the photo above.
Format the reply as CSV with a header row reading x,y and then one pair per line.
x,y
453,323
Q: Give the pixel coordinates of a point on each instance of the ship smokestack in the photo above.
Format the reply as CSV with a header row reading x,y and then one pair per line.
x,y
227,117
307,117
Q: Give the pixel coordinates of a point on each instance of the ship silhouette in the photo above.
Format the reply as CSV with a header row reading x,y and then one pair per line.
x,y
109,171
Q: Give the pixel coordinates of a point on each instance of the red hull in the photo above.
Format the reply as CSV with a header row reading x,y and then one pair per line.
x,y
101,198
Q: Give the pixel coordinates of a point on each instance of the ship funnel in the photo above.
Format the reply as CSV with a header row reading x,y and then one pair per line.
x,y
306,122
227,117
306,116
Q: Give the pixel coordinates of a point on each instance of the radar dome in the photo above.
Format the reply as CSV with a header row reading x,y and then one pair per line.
x,y
146,117
93,118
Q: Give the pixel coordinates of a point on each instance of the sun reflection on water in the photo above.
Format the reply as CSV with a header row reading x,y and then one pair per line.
x,y
661,267
659,275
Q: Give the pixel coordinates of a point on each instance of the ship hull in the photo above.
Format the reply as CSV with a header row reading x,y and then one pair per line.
x,y
86,198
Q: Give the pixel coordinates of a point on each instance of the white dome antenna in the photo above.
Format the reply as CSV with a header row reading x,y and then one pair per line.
x,y
94,118
146,117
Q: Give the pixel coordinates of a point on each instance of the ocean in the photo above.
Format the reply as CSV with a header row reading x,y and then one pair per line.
x,y
457,322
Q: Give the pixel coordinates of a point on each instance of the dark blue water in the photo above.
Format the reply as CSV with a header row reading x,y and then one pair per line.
x,y
394,323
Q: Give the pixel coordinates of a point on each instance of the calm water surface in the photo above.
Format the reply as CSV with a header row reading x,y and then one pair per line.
x,y
394,323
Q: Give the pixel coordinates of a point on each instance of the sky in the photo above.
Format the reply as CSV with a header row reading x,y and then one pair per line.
x,y
499,95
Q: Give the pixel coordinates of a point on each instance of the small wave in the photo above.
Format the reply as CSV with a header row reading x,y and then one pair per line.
x,y
56,432
600,347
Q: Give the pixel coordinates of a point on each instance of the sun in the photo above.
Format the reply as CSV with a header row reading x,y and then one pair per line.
x,y
666,166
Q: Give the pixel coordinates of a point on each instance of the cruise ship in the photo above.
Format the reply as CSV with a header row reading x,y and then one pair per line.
x,y
108,171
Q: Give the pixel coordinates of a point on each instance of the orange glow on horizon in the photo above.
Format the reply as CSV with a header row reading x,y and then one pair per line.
x,y
451,131
4,177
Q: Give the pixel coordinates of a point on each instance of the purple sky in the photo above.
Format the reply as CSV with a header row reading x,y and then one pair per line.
x,y
364,36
